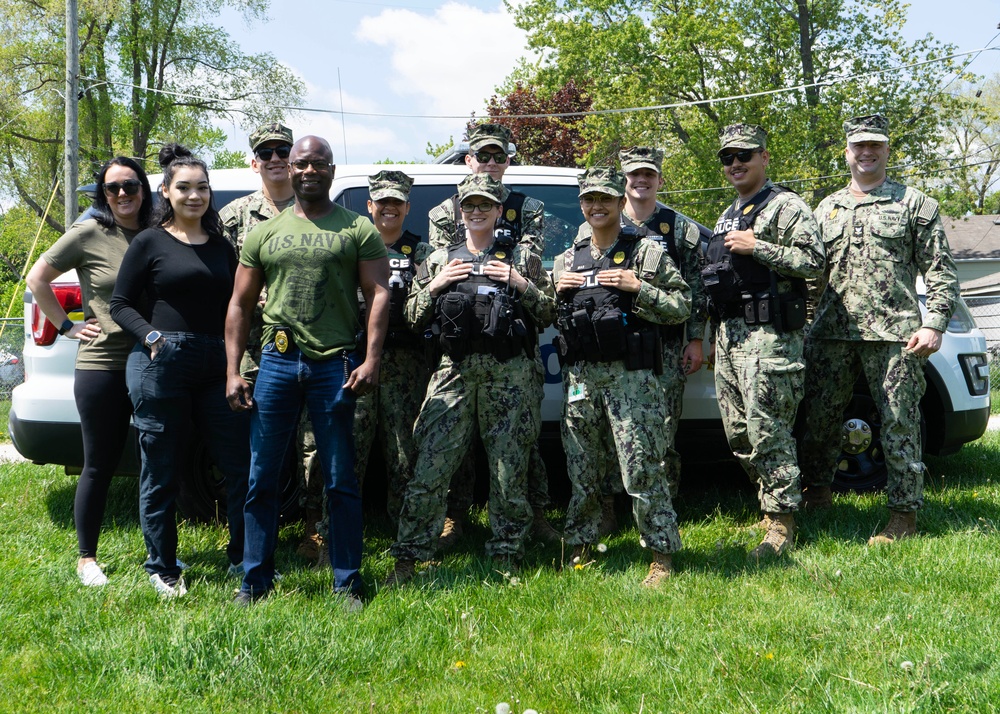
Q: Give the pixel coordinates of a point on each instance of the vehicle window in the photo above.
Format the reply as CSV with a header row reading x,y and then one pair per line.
x,y
562,210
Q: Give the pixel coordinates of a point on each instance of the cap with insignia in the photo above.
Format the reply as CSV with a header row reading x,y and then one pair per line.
x,y
389,184
480,185
641,157
602,179
489,135
742,136
874,127
271,132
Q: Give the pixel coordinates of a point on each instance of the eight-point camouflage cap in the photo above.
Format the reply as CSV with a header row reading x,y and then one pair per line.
x,y
874,127
489,135
641,157
742,136
389,184
602,179
271,132
481,185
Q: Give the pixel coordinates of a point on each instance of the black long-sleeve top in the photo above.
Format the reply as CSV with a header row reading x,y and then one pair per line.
x,y
165,284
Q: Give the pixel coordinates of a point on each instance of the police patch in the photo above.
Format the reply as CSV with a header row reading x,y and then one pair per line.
x,y
619,257
406,250
511,214
281,341
747,209
499,255
664,228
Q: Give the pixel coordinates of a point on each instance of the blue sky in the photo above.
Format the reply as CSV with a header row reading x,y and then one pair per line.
x,y
405,57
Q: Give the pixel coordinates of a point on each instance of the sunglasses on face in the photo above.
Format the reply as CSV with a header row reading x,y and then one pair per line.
x,y
484,207
744,157
483,157
319,166
281,151
601,199
130,187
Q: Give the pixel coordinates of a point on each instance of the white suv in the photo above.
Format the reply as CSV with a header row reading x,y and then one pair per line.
x,y
44,423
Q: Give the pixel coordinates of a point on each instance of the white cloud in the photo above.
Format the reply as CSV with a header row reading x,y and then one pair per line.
x,y
448,63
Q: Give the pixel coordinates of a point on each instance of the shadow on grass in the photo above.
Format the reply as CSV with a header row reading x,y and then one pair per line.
x,y
122,507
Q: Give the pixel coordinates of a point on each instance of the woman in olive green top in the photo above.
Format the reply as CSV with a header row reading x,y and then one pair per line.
x,y
94,248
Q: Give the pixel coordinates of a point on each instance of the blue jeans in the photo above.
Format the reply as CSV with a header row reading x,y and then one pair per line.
x,y
185,385
285,383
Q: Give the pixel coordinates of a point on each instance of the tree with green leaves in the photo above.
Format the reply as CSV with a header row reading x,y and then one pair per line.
x,y
152,71
797,67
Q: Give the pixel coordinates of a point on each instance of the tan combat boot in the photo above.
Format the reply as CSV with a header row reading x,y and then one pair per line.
x,y
780,535
451,532
817,497
902,524
541,529
403,572
311,546
659,570
609,520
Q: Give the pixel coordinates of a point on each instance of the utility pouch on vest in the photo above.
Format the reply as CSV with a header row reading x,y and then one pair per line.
x,y
455,310
721,283
792,313
432,346
757,308
610,330
499,323
583,326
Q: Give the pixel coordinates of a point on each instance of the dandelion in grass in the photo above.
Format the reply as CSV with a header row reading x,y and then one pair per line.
x,y
578,566
502,708
601,548
458,665
769,656
906,666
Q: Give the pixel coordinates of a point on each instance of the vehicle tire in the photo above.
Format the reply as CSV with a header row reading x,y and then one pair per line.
x,y
861,466
202,493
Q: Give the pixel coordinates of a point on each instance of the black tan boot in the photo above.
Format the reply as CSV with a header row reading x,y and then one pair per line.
x,y
541,529
902,524
609,519
780,535
659,570
452,531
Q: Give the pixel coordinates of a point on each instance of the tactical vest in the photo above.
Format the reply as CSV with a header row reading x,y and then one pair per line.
x,y
509,227
480,315
597,324
728,276
401,272
659,227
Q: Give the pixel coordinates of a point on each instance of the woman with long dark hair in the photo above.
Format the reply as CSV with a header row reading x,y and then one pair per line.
x,y
94,247
171,296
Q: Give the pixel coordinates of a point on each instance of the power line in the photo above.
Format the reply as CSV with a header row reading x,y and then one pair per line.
x,y
597,112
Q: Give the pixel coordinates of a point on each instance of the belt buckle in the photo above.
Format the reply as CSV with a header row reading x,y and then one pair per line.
x,y
281,341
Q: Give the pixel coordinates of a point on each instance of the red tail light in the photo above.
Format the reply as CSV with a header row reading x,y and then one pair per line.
x,y
43,331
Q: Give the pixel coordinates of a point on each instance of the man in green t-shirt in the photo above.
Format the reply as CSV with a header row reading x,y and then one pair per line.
x,y
313,259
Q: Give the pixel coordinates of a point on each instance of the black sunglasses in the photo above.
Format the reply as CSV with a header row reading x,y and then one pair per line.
x,y
130,187
499,157
744,156
266,153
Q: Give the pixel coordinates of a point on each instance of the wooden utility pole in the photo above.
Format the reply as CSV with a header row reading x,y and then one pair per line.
x,y
71,160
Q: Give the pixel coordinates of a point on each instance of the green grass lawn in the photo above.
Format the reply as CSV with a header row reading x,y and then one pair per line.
x,y
837,627
4,411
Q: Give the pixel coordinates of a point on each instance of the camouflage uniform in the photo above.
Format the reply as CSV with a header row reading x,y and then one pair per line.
x,y
238,218
444,232
687,241
876,246
477,392
604,401
758,371
392,407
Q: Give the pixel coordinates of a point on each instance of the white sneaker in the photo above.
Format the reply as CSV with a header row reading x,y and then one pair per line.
x,y
91,575
166,590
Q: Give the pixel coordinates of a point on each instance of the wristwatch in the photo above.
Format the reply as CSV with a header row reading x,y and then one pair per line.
x,y
66,326
152,338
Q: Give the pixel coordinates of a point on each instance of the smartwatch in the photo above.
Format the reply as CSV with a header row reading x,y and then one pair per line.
x,y
66,326
152,337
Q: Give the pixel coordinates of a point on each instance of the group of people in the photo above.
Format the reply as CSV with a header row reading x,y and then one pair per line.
x,y
292,322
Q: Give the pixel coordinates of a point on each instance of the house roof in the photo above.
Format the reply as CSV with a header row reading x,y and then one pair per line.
x,y
973,237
